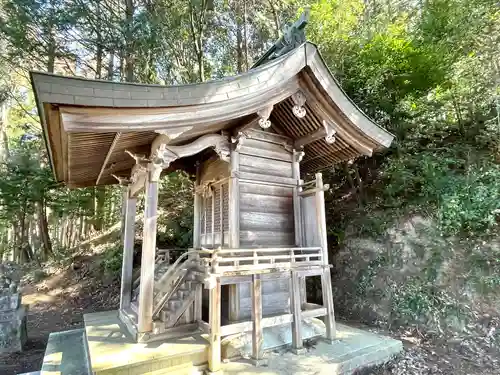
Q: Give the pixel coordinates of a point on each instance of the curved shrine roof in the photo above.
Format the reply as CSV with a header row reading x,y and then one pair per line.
x,y
88,124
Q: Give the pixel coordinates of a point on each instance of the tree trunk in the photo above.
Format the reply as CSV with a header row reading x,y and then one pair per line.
x,y
4,142
245,36
43,228
129,40
100,201
111,65
239,41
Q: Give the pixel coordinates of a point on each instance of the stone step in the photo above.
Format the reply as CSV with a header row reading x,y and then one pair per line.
x,y
66,354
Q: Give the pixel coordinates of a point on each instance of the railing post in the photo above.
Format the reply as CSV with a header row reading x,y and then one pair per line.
x,y
326,281
214,354
257,337
297,213
297,344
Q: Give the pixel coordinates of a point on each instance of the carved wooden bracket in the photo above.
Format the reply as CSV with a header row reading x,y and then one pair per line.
x,y
173,133
264,114
123,181
299,155
166,154
299,99
239,139
330,132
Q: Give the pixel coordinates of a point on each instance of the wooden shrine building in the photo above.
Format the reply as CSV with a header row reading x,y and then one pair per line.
x,y
259,228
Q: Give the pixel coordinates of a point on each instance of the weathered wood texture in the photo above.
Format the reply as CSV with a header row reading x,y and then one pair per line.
x,y
257,336
266,211
145,314
310,222
214,356
214,211
128,249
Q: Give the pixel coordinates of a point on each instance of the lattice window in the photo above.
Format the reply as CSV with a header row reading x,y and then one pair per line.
x,y
225,206
208,214
217,209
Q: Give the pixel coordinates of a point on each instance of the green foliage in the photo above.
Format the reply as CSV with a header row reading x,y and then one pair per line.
x,y
112,259
176,204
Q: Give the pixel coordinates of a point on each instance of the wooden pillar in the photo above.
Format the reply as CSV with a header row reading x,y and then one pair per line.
x,y
214,354
297,344
321,216
197,212
326,280
234,229
297,215
257,334
145,314
326,288
130,204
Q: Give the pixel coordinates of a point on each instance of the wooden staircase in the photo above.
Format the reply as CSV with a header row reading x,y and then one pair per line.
x,y
175,290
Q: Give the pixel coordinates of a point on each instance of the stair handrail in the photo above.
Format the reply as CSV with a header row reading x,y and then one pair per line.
x,y
174,265
170,277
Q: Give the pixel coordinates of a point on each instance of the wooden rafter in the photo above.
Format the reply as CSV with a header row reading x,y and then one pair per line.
x,y
108,155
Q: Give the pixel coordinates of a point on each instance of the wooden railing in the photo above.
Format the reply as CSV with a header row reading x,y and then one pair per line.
x,y
234,260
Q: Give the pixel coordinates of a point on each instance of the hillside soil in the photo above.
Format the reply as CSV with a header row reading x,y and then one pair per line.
x,y
58,303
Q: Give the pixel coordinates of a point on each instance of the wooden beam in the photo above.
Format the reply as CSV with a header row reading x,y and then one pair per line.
x,y
130,204
203,326
309,138
257,334
247,325
214,351
108,156
145,314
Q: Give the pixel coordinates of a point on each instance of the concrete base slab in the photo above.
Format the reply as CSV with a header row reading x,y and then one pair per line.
x,y
353,350
112,351
66,353
240,344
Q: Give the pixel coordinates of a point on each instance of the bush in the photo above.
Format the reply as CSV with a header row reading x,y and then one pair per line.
x,y
461,194
112,260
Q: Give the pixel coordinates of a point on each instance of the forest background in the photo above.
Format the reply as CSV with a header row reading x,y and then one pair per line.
x,y
413,232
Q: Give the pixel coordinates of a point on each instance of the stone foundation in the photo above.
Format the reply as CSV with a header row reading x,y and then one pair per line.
x,y
12,314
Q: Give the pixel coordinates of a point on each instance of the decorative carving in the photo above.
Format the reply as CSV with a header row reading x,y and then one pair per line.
x,y
121,180
173,133
165,154
155,171
330,132
239,139
287,146
299,155
222,149
298,109
139,158
293,36
264,114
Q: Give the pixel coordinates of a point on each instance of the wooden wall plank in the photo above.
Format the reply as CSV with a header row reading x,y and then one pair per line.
x,y
265,203
250,238
255,164
262,221
275,191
